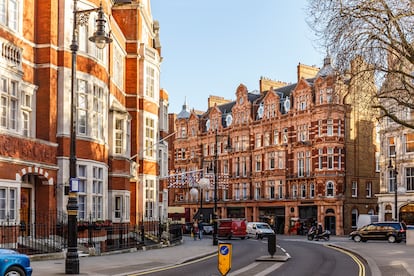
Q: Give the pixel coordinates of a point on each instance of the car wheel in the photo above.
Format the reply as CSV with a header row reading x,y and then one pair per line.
x,y
14,271
357,238
310,237
391,239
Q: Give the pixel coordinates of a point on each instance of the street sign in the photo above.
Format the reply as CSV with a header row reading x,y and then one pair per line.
x,y
74,185
224,258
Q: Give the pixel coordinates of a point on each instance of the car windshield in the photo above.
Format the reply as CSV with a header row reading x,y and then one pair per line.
x,y
262,226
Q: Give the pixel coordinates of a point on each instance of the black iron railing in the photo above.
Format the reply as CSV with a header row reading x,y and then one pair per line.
x,y
49,234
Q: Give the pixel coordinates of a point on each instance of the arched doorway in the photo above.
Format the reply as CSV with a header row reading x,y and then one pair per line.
x,y
407,213
330,221
36,208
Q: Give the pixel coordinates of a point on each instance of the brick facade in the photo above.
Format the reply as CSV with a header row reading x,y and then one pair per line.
x,y
36,61
293,155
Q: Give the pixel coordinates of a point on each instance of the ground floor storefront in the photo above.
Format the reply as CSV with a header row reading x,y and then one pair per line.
x,y
392,207
286,217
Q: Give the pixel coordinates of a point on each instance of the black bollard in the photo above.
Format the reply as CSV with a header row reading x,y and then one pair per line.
x,y
271,244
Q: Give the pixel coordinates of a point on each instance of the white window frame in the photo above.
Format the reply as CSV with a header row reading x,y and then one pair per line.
x,y
330,189
329,127
409,178
118,66
150,137
82,175
320,159
271,158
150,81
301,164
272,192
280,189
409,143
97,193
294,191
257,191
258,163
368,189
312,190
10,14
303,190
98,112
330,159
8,203
82,107
354,189
150,198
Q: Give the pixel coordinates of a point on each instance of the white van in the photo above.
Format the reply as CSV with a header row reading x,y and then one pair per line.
x,y
365,219
259,230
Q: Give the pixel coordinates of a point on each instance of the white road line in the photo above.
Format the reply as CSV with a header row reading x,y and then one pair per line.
x,y
244,269
269,269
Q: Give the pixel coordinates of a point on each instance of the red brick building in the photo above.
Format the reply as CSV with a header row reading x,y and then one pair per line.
x,y
118,107
303,152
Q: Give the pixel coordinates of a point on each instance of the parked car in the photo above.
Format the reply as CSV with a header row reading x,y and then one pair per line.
x,y
388,230
14,263
232,228
259,230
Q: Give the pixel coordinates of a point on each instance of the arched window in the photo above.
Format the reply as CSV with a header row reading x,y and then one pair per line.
x,y
330,188
295,191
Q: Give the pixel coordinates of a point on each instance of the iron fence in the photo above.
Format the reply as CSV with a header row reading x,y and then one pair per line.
x,y
49,235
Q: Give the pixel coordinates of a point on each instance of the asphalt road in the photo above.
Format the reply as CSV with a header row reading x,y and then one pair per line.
x,y
306,258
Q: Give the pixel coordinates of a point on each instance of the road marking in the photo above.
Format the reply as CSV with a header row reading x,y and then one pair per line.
x,y
268,270
354,257
244,269
171,266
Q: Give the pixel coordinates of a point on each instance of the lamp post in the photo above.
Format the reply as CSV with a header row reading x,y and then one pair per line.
x,y
100,38
203,184
215,239
394,174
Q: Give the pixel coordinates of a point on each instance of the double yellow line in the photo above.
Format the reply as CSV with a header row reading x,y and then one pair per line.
x,y
354,257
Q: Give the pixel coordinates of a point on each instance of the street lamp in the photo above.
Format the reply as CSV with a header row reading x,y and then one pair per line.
x,y
203,184
215,171
100,38
394,174
215,229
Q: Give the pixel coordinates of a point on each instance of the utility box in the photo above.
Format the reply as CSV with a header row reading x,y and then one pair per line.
x,y
409,237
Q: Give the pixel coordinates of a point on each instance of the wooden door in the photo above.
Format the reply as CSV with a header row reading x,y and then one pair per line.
x,y
25,211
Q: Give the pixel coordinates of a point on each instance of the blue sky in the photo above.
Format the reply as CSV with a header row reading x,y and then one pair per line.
x,y
210,47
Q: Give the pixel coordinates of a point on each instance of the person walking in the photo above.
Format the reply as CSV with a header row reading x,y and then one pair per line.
x,y
200,229
195,230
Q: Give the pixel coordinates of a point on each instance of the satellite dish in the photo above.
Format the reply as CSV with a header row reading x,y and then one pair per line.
x,y
229,119
287,105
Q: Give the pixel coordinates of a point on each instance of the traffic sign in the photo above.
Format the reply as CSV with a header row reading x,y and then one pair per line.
x,y
224,258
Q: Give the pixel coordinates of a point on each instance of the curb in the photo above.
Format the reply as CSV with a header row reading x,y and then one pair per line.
x,y
371,263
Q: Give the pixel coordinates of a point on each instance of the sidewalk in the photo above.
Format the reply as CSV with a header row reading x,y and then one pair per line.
x,y
120,264
382,257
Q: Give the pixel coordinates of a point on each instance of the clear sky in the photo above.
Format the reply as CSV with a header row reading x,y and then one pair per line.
x,y
210,47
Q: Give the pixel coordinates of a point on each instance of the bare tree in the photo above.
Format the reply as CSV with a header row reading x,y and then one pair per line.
x,y
379,31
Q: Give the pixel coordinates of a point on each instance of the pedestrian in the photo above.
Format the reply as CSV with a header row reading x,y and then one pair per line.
x,y
195,230
200,229
320,229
